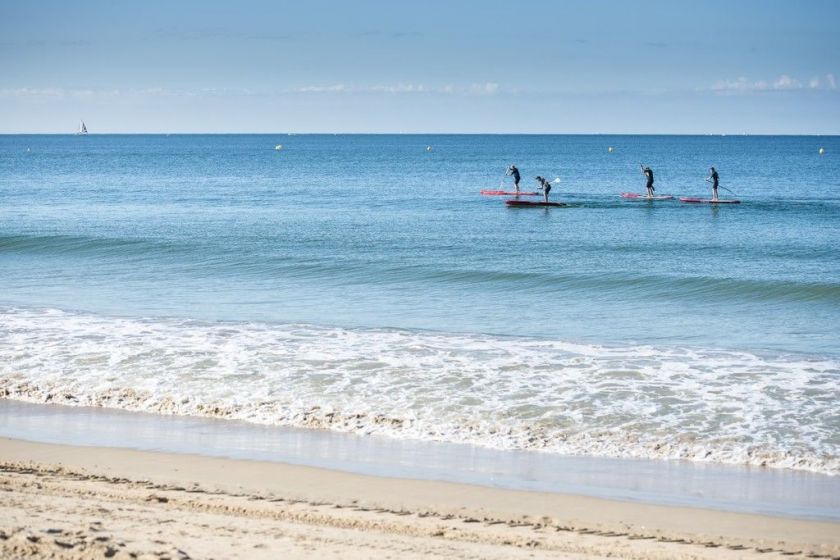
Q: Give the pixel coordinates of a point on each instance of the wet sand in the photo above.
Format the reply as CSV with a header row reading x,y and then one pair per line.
x,y
764,491
62,501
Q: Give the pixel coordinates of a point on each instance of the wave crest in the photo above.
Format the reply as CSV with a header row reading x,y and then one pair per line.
x,y
507,393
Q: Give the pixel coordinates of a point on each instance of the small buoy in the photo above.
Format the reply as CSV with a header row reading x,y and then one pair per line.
x,y
610,149
428,148
278,147
822,151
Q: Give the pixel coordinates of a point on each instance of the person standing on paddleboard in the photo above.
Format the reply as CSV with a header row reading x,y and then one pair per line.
x,y
514,172
648,172
545,186
713,177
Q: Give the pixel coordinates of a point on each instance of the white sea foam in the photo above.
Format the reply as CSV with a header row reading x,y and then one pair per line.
x,y
634,401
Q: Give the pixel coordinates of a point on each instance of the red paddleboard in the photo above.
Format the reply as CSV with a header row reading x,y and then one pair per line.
x,y
637,196
521,203
709,201
508,193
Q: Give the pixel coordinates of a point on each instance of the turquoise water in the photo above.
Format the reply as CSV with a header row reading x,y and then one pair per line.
x,y
363,276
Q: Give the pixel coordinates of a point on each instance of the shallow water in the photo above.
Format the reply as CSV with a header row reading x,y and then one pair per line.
x,y
678,483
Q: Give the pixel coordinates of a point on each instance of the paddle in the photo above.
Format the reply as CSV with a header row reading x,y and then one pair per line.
x,y
722,187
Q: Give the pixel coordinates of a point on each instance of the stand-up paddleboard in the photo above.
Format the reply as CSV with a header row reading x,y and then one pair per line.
x,y
637,196
530,203
708,201
508,193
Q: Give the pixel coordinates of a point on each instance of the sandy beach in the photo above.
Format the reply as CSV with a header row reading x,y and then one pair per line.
x,y
81,502
403,280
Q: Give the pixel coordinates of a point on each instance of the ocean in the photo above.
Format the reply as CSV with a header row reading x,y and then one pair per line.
x,y
360,283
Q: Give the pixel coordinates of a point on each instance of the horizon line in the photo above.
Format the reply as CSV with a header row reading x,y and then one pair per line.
x,y
291,133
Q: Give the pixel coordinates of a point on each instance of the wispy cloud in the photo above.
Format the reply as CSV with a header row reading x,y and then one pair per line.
x,y
487,88
43,43
217,33
55,93
33,93
785,82
394,34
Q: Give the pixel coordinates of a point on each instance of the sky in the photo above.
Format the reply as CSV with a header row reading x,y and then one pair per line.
x,y
450,66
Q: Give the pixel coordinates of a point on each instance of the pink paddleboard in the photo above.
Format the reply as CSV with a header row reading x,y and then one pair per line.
x,y
708,201
508,193
637,196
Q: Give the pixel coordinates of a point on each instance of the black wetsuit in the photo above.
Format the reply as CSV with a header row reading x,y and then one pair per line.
x,y
649,175
515,173
715,179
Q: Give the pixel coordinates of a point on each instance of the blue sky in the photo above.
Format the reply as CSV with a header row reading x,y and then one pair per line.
x,y
755,66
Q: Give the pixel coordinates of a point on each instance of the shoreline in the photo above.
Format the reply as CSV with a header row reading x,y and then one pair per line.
x,y
764,491
178,502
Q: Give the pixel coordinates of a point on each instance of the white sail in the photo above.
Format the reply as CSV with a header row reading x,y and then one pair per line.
x,y
82,128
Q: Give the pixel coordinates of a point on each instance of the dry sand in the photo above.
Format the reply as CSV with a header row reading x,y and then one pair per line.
x,y
81,502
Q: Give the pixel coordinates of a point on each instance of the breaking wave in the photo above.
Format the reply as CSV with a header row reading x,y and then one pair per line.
x,y
508,393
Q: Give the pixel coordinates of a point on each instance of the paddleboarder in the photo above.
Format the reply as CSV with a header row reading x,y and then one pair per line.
x,y
713,178
514,172
545,186
648,172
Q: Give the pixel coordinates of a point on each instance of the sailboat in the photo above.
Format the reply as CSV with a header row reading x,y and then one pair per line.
x,y
82,128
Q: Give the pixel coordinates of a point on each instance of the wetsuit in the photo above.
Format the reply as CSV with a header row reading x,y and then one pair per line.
x,y
649,174
514,172
546,188
714,177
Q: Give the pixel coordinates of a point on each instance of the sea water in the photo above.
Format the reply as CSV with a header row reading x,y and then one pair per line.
x,y
361,283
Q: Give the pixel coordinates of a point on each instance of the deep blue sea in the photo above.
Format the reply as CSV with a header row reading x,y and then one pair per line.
x,y
361,283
